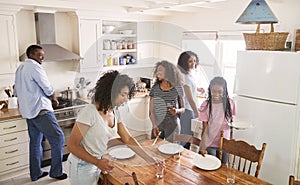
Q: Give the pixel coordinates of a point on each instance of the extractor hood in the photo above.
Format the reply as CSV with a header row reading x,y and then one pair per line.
x,y
45,35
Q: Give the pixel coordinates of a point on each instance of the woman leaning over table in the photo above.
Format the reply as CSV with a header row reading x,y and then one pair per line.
x,y
96,124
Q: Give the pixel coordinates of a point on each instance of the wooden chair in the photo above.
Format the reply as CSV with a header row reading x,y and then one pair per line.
x,y
241,155
186,138
292,181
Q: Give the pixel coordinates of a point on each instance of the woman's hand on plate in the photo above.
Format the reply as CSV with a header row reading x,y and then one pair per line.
x,y
203,152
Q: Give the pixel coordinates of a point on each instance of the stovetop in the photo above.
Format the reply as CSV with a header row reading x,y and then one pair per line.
x,y
65,103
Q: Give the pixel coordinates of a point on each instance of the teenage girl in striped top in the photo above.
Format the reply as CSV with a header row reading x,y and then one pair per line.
x,y
166,101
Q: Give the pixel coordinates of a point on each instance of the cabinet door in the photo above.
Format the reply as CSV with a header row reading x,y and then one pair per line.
x,y
148,41
89,45
8,45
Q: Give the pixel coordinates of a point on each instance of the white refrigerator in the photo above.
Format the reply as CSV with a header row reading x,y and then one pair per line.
x,y
267,86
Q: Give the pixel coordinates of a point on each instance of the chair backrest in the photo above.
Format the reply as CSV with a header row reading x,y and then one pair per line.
x,y
242,155
135,180
292,181
187,138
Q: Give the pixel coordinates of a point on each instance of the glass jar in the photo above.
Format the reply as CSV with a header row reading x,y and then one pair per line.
x,y
113,45
119,44
130,44
124,44
106,44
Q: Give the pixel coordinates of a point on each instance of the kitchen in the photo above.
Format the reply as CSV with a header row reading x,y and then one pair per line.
x,y
163,28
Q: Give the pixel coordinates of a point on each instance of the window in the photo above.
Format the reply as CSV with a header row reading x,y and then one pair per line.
x,y
217,52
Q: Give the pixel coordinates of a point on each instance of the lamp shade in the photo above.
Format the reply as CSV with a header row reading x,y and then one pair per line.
x,y
257,12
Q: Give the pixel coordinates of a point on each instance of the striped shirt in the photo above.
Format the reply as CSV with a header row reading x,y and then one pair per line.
x,y
163,100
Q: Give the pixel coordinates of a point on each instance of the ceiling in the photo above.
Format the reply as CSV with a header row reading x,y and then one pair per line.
x,y
170,6
145,7
150,7
167,7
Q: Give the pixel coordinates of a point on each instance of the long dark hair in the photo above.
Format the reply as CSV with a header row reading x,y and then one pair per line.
x,y
183,61
172,75
108,88
225,98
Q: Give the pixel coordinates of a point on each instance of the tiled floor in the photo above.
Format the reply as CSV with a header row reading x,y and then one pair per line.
x,y
25,179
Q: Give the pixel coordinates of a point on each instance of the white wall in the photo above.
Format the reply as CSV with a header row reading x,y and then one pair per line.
x,y
223,17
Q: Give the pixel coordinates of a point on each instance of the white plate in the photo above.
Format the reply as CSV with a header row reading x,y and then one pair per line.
x,y
121,152
241,125
209,162
170,148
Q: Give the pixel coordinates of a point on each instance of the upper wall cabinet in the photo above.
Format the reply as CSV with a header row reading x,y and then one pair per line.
x,y
9,47
148,41
89,45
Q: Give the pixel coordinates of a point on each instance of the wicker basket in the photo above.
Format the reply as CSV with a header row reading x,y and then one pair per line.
x,y
265,41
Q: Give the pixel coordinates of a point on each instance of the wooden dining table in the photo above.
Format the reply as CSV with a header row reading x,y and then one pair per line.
x,y
180,171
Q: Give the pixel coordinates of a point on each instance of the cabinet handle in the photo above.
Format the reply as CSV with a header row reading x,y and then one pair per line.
x,y
6,140
13,151
5,128
12,163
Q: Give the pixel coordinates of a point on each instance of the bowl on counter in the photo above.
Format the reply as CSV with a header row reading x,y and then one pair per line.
x,y
108,29
126,32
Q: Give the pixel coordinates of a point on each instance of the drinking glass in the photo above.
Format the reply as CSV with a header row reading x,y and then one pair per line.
x,y
230,172
111,162
160,170
176,156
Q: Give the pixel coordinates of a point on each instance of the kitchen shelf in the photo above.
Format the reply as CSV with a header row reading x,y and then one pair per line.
x,y
129,66
124,40
119,35
118,51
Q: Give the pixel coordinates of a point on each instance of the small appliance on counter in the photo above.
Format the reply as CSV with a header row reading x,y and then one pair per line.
x,y
148,81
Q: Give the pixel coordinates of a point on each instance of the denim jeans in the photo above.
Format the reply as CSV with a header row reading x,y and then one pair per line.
x,y
185,122
215,152
82,172
45,125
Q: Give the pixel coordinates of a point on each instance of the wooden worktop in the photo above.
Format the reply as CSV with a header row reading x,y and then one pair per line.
x,y
7,114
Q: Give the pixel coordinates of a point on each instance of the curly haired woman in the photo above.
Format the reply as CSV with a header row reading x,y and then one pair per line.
x,y
96,124
166,101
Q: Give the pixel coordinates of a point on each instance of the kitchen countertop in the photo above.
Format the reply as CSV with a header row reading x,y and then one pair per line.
x,y
7,114
141,94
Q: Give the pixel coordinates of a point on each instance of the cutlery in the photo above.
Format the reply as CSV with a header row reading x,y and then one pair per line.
x,y
156,138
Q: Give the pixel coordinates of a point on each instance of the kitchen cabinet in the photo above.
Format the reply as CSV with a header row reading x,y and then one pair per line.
x,y
89,45
118,39
9,48
14,148
135,115
148,41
